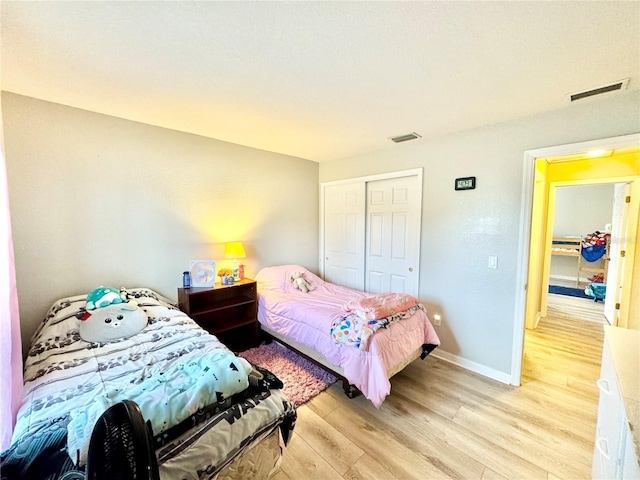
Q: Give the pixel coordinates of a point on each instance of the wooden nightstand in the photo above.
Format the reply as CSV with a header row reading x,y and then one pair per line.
x,y
230,312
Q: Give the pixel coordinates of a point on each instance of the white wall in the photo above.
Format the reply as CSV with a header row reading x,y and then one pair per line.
x,y
580,210
461,229
100,200
95,199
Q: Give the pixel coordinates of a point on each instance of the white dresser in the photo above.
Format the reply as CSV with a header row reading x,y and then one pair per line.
x,y
617,445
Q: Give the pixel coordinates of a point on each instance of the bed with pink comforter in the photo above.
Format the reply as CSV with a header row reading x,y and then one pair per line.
x,y
313,320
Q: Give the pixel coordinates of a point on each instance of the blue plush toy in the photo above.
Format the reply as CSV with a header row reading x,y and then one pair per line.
x,y
598,291
104,296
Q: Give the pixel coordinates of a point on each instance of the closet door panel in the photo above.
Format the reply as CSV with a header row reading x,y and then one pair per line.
x,y
375,281
399,236
376,235
393,235
343,256
399,283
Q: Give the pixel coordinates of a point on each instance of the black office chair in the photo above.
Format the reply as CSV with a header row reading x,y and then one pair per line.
x,y
121,446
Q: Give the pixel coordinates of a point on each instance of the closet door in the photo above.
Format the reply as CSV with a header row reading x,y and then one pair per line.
x,y
393,225
370,232
343,234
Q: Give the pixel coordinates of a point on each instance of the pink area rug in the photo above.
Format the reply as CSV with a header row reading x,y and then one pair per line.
x,y
302,379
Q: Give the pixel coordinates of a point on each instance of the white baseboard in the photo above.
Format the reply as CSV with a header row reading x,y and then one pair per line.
x,y
472,366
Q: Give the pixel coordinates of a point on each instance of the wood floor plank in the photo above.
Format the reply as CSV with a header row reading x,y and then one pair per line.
x,y
366,468
470,442
322,405
442,421
519,400
562,306
383,444
523,446
450,460
535,426
328,442
437,401
279,475
300,460
489,474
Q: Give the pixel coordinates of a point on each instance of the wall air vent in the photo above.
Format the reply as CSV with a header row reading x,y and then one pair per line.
x,y
611,87
404,138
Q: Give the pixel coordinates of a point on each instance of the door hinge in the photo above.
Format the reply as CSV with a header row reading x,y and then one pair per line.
x,y
617,306
627,199
622,253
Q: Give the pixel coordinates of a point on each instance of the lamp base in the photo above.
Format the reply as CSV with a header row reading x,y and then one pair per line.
x,y
236,270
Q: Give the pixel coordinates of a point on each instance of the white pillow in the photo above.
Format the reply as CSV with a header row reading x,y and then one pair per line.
x,y
118,320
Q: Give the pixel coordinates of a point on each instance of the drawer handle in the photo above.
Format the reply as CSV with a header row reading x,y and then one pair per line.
x,y
603,385
601,445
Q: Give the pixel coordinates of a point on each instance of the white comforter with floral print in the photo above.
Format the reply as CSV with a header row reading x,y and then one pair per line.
x,y
171,369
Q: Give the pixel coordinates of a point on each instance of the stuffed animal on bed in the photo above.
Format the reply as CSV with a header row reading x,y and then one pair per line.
x,y
111,319
103,296
300,282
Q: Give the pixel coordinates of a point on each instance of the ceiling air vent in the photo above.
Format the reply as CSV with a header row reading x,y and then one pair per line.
x,y
611,87
404,138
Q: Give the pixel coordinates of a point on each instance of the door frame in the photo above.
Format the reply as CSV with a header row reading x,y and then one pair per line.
x,y
365,179
526,226
618,242
548,237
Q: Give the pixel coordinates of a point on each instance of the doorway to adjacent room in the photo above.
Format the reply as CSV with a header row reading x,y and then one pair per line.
x,y
546,169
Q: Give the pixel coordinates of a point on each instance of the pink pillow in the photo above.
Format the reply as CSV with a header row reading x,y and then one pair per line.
x,y
381,305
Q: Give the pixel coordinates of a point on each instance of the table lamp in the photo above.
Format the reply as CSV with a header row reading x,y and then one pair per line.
x,y
234,250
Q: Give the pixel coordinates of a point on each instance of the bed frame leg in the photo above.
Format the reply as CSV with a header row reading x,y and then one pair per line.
x,y
427,348
265,337
350,389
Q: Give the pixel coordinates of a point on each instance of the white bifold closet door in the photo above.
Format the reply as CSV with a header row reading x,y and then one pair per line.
x,y
343,225
392,251
371,232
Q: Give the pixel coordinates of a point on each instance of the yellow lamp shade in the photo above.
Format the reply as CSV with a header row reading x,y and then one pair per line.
x,y
234,250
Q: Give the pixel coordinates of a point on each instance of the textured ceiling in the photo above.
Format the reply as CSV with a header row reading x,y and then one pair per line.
x,y
318,80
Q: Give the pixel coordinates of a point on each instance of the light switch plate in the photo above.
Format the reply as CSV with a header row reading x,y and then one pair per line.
x,y
493,261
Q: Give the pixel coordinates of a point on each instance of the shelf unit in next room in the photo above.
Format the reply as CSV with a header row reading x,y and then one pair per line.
x,y
572,247
230,312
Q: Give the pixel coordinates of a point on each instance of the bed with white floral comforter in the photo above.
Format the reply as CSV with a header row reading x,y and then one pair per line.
x,y
195,392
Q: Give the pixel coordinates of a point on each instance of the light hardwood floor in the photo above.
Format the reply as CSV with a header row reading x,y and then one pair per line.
x,y
442,421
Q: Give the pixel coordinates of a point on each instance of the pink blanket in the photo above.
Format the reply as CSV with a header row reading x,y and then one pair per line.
x,y
307,319
381,305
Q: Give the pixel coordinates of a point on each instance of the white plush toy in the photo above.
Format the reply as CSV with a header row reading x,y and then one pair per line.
x,y
300,282
109,316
